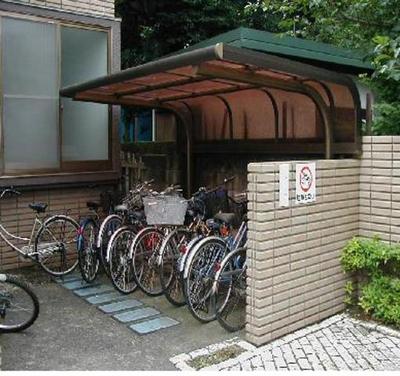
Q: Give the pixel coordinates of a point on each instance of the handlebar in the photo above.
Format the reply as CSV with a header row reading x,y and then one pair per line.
x,y
224,182
10,190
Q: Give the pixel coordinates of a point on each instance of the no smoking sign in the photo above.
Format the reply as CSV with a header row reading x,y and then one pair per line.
x,y
305,183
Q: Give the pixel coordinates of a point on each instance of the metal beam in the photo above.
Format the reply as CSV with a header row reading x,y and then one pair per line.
x,y
149,88
111,99
247,76
276,111
169,63
230,114
204,93
293,86
189,145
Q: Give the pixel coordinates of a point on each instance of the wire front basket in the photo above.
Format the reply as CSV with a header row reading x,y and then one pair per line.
x,y
133,200
165,210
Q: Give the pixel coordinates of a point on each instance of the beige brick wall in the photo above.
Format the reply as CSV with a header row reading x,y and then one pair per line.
x,y
295,277
380,188
99,8
17,217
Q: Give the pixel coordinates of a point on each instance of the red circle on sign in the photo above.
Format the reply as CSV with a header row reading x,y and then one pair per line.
x,y
306,179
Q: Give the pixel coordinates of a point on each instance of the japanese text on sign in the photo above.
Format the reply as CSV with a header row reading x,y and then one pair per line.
x,y
305,183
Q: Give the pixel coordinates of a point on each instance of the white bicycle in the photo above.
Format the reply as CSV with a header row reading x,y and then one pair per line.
x,y
52,242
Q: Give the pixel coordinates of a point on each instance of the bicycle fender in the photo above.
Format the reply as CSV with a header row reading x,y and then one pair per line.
x,y
82,225
190,246
113,236
58,216
102,227
223,264
163,245
137,237
195,249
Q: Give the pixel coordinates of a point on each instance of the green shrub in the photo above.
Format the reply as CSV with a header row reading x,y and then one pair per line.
x,y
380,298
377,266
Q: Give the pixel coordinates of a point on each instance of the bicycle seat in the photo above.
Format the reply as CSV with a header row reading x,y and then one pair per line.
x,y
121,208
38,207
93,205
228,218
137,215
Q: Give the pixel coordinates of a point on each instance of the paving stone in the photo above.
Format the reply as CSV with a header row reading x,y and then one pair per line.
x,y
69,278
137,314
340,343
120,306
93,290
107,297
80,284
153,325
304,364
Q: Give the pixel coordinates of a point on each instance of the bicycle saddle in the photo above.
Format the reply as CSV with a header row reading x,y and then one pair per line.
x,y
121,208
38,207
93,205
228,218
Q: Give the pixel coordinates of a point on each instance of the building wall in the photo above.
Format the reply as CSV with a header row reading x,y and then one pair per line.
x,y
380,188
98,8
294,276
57,190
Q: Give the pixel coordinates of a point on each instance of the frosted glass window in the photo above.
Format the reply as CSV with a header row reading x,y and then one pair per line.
x,y
30,94
84,125
30,133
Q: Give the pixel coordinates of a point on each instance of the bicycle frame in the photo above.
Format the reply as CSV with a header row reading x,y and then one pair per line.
x,y
37,224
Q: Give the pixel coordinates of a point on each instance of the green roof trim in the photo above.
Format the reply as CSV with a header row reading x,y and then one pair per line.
x,y
286,46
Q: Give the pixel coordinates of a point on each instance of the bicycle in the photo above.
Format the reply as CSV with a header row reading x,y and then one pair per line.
x,y
92,234
52,243
118,256
164,211
205,260
19,306
178,244
229,291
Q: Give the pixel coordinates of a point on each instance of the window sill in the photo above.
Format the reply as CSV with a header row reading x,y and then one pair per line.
x,y
63,179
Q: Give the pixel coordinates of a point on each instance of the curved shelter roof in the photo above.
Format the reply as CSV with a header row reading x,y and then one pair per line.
x,y
213,70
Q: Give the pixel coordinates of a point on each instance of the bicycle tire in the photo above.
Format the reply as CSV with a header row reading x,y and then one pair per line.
x,y
88,255
200,276
60,246
230,292
33,314
110,224
170,276
145,256
121,270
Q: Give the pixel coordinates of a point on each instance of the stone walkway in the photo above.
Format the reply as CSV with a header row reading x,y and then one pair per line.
x,y
127,310
338,343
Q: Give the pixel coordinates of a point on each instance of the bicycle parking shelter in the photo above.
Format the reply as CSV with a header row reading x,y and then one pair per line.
x,y
246,94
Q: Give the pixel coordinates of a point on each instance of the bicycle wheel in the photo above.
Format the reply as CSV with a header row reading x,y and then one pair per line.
x,y
87,250
145,257
55,245
19,306
121,270
200,278
107,229
174,245
229,297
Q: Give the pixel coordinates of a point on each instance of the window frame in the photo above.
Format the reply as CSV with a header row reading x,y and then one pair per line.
x,y
84,167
